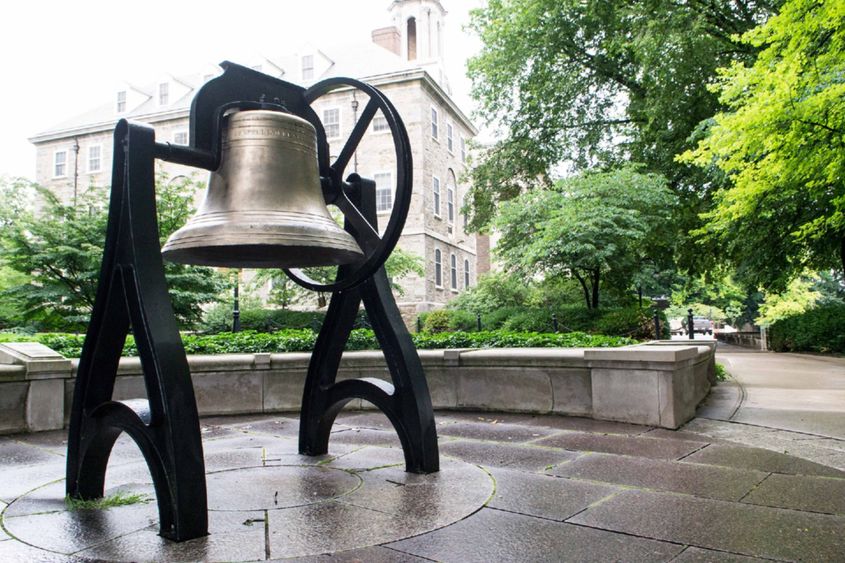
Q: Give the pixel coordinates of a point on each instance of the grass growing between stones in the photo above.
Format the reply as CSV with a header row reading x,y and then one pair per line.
x,y
117,499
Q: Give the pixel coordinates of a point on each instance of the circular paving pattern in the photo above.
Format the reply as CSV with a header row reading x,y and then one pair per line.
x,y
356,500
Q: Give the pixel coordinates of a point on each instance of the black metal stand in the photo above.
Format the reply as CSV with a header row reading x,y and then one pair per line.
x,y
133,290
406,402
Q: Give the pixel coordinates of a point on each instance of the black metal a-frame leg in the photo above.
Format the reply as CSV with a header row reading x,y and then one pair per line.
x,y
133,289
406,402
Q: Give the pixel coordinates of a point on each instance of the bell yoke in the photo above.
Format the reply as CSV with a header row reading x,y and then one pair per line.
x,y
265,207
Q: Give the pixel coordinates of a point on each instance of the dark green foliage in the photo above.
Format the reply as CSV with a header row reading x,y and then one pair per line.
x,y
821,329
219,319
245,342
436,321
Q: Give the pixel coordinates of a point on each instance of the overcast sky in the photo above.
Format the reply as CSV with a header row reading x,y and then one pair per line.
x,y
64,58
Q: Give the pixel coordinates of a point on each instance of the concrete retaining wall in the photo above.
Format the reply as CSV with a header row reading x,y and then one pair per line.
x,y
756,340
658,384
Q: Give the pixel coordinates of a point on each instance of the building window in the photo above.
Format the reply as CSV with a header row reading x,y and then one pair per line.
x,y
435,188
466,274
450,202
331,122
412,39
180,138
463,150
438,268
433,123
449,145
453,271
307,67
466,221
59,164
121,101
384,191
380,124
95,161
163,94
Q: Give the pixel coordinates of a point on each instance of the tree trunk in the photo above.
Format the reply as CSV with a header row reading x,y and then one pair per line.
x,y
586,289
842,254
595,279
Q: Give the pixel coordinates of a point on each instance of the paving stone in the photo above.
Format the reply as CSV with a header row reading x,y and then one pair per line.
x,y
373,420
16,481
529,458
364,555
276,487
543,495
428,501
72,531
698,555
54,441
579,424
275,426
816,494
643,447
368,457
364,437
17,454
16,551
514,537
677,435
763,460
503,432
694,479
229,539
724,526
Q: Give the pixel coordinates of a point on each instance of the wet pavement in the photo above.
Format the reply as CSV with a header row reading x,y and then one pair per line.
x,y
511,488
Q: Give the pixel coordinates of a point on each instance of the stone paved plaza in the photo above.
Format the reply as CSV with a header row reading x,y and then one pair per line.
x,y
512,488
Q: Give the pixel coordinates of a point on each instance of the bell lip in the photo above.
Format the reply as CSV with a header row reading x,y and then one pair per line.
x,y
260,256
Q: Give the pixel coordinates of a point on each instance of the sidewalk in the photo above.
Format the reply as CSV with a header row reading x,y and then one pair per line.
x,y
511,488
791,403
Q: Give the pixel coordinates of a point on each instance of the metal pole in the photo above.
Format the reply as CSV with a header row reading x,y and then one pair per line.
x,y
554,322
656,326
419,324
478,321
236,310
690,325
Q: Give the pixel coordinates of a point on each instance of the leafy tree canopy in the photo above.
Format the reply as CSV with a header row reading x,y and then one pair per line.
x,y
59,247
783,144
598,82
598,227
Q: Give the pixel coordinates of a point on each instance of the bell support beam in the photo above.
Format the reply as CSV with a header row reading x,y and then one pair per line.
x,y
406,402
132,290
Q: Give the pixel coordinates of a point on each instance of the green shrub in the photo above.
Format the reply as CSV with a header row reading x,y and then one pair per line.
x,y
494,319
630,321
302,340
821,329
462,321
529,320
436,321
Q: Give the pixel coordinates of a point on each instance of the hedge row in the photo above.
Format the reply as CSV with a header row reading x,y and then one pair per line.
x,y
821,329
302,340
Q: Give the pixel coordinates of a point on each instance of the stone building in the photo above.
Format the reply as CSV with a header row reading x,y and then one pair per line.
x,y
404,60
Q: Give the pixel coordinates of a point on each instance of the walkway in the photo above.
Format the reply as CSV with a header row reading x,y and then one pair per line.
x,y
785,402
511,488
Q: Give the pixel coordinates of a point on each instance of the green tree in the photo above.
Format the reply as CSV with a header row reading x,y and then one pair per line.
x,y
59,249
601,228
798,297
598,82
782,142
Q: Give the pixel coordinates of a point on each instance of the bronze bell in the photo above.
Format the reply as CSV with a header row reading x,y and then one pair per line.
x,y
264,206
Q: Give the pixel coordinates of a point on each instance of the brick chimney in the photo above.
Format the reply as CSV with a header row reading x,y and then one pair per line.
x,y
388,37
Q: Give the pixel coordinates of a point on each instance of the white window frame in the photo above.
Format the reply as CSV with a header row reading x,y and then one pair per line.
x,y
56,154
449,138
304,68
438,268
435,191
380,118
380,189
453,271
99,167
339,121
450,203
466,273
435,123
463,149
180,132
120,104
166,92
